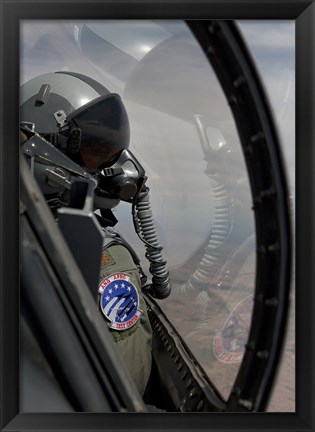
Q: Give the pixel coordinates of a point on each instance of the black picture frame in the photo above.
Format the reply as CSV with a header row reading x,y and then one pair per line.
x,y
11,12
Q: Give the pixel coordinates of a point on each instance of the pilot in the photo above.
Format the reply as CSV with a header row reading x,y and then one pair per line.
x,y
90,125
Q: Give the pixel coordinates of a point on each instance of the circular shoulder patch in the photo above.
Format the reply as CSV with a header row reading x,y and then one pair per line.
x,y
229,342
119,301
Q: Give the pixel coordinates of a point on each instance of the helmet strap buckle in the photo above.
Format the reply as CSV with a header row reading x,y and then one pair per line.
x,y
61,118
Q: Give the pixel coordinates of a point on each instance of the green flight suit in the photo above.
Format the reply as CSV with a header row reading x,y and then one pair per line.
x,y
134,343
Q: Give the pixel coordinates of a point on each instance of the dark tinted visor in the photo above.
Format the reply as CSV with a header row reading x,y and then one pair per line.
x,y
105,130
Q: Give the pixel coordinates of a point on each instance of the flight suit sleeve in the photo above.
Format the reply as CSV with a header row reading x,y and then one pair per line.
x,y
133,343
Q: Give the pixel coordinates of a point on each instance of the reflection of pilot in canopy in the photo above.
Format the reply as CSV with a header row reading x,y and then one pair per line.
x,y
90,125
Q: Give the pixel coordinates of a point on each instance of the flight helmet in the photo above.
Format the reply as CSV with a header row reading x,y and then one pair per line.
x,y
78,115
88,123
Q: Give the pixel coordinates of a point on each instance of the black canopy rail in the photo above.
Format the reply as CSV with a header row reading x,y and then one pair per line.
x,y
236,71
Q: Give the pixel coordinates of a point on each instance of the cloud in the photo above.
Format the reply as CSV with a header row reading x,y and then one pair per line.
x,y
270,35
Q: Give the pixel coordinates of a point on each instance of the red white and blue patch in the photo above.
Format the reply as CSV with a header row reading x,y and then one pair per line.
x,y
229,342
119,301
